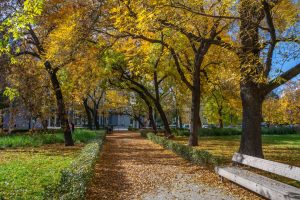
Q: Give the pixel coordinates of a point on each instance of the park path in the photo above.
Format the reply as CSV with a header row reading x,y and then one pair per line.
x,y
131,167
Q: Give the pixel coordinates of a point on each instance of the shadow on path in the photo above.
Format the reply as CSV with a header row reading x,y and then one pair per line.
x,y
132,167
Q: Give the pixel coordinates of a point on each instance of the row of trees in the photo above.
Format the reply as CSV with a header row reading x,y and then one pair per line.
x,y
168,52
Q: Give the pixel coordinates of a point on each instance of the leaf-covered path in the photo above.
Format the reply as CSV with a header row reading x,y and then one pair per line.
x,y
132,167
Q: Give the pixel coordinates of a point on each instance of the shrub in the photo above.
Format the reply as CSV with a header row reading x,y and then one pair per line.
x,y
144,132
130,128
219,131
235,131
278,131
194,155
181,132
74,179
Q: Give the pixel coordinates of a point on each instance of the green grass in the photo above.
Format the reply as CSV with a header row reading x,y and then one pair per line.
x,y
35,162
24,175
39,139
280,148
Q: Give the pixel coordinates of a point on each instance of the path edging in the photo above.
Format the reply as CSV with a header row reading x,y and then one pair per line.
x,y
201,157
75,179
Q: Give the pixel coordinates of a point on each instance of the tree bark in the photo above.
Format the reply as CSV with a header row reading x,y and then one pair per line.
x,y
251,142
44,124
1,121
151,118
195,109
180,121
12,122
221,124
62,114
164,119
88,114
141,123
96,116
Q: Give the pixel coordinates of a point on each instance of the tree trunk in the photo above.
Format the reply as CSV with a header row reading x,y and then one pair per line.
x,y
164,119
221,125
252,99
1,121
96,117
11,123
62,114
251,142
180,121
151,118
88,114
44,124
195,110
141,123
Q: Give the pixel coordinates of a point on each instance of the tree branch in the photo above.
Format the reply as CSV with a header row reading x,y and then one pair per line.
x,y
283,78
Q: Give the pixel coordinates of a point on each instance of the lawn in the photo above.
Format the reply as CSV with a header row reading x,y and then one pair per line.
x,y
39,139
280,148
29,164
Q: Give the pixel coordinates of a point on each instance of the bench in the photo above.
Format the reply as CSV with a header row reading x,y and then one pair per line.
x,y
262,185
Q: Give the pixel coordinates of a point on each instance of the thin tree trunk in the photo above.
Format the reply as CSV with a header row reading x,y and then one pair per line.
x,y
251,142
62,114
151,118
180,121
96,117
141,124
221,125
1,121
44,124
88,114
11,123
164,119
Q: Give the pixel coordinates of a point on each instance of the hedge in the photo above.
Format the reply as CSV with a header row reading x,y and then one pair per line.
x,y
196,156
235,131
75,179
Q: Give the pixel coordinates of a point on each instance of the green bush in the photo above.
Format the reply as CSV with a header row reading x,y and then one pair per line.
x,y
278,131
219,131
74,179
130,128
194,155
235,131
181,132
144,132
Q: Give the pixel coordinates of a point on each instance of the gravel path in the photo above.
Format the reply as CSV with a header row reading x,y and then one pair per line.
x,y
131,167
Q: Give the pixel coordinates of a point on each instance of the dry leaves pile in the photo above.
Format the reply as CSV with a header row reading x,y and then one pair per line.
x,y
131,167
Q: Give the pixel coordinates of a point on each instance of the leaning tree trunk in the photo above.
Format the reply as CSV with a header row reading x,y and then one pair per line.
x,y
251,142
62,114
164,119
88,114
151,118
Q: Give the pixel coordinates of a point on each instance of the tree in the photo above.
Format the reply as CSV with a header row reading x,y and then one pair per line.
x,y
142,74
263,30
283,108
186,38
51,38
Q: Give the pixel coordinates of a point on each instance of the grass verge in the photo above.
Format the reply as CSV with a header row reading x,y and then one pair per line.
x,y
39,139
75,178
196,156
